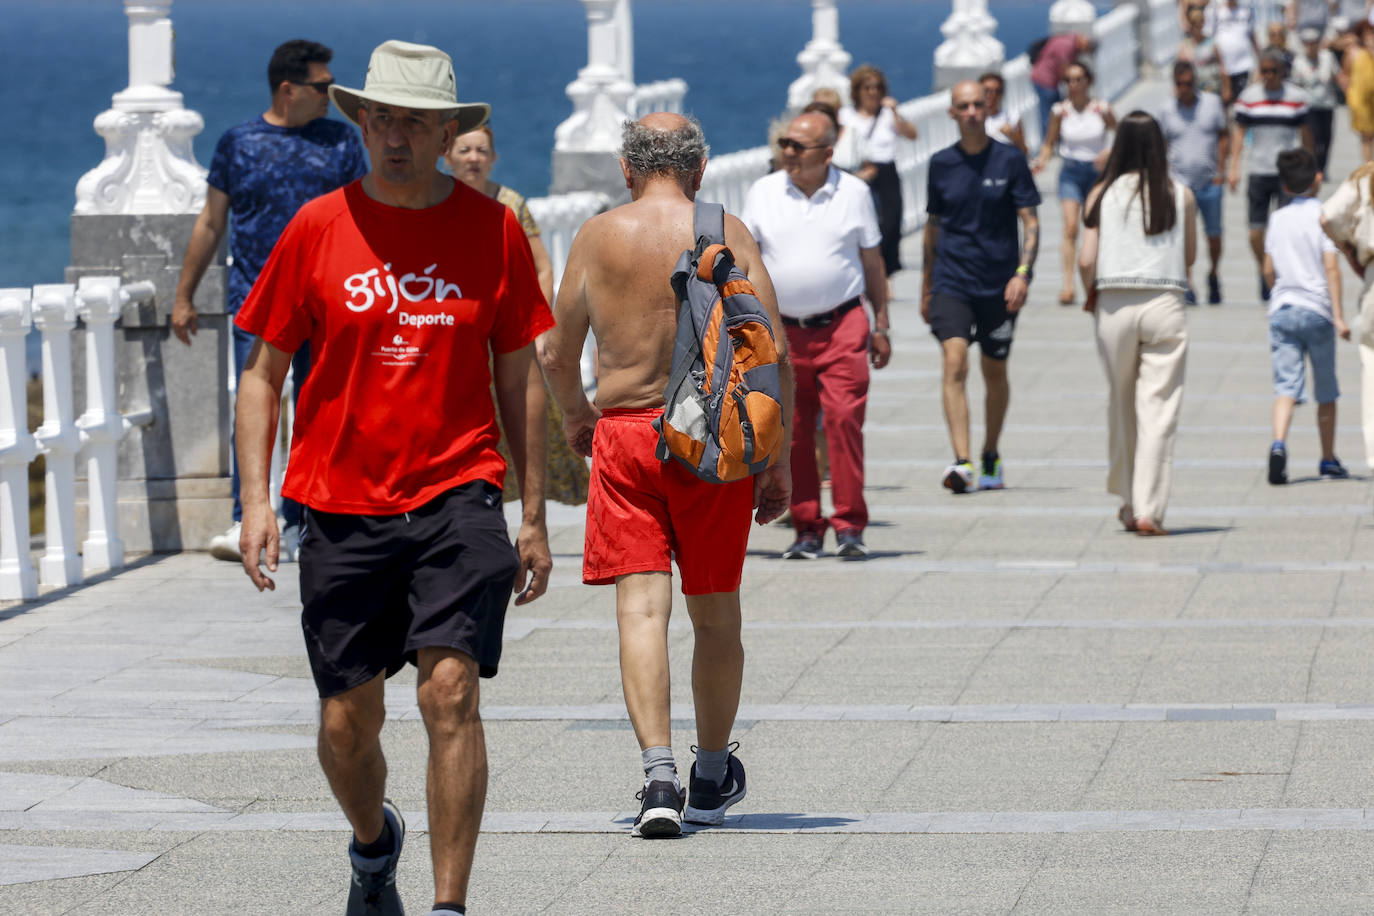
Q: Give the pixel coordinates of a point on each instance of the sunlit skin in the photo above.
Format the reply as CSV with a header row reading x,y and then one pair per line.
x,y
471,158
404,145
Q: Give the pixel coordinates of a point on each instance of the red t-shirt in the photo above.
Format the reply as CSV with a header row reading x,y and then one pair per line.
x,y
403,309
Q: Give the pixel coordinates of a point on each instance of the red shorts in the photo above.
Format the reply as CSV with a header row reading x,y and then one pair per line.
x,y
642,512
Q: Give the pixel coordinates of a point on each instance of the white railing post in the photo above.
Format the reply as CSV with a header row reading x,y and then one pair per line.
x,y
824,61
1117,55
662,95
99,301
1072,16
1020,101
54,314
149,165
600,94
18,579
625,41
969,48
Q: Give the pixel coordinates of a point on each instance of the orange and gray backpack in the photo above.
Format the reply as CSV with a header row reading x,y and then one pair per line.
x,y
722,416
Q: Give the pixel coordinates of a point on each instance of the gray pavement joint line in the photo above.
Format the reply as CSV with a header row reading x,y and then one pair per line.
x,y
525,626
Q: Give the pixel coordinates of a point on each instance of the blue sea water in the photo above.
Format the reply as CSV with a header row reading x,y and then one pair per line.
x,y
62,60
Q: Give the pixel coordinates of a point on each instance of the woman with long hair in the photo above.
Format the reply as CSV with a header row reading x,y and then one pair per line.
x,y
1348,218
876,126
1078,132
1139,241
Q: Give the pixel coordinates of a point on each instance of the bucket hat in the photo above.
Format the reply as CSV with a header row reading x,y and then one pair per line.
x,y
410,76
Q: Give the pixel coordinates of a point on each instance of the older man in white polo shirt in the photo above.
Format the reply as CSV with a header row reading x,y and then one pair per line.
x,y
818,232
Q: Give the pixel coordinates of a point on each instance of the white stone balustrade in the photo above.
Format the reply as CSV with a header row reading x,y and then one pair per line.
x,y
99,300
53,309
824,61
54,314
559,217
728,177
601,93
1020,100
1118,50
935,130
1071,16
1162,32
18,448
663,95
149,165
970,47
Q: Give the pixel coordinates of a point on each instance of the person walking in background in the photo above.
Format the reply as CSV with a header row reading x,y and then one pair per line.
x,y
471,158
1315,71
1302,265
1276,39
975,277
1231,23
1274,113
1194,126
1139,241
848,154
1357,79
876,123
1047,71
262,172
999,124
642,512
1078,132
1348,219
406,556
1199,49
819,237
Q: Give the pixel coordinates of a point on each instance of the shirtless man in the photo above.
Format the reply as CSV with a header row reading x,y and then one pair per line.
x,y
642,511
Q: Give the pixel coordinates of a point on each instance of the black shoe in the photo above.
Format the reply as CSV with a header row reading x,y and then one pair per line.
x,y
1213,290
1278,464
807,546
851,545
660,811
707,802
1189,297
373,892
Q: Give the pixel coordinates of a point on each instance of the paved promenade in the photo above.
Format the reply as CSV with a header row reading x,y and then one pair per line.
x,y
1013,706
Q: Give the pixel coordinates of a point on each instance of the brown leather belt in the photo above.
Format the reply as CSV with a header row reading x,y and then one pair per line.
x,y
824,319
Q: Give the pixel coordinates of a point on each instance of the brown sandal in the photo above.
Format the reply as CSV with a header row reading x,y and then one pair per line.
x,y
1146,528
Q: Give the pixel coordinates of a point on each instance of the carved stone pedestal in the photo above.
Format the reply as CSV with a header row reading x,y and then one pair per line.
x,y
173,483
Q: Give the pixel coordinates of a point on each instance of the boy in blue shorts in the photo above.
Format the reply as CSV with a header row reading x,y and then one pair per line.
x,y
1302,268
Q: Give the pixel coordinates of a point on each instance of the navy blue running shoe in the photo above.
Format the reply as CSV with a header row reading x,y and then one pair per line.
x,y
707,801
373,892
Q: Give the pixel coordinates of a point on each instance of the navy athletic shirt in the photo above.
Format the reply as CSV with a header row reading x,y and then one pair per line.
x,y
976,198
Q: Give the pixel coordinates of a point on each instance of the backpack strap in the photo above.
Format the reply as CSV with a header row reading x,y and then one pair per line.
x,y
708,224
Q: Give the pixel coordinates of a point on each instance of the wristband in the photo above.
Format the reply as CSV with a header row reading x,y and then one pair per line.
x,y
883,332
1024,271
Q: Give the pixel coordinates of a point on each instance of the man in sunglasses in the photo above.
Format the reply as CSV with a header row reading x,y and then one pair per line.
x,y
1194,123
262,172
1274,111
818,231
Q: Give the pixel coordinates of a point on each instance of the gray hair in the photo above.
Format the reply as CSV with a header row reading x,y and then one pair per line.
x,y
677,153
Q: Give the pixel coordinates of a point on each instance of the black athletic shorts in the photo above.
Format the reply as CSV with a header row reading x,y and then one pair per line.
x,y
981,318
1264,192
377,588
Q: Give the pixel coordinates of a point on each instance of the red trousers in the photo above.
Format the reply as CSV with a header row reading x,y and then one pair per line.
x,y
831,369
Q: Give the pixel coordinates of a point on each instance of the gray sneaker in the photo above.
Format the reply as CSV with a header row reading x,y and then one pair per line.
x,y
373,892
852,545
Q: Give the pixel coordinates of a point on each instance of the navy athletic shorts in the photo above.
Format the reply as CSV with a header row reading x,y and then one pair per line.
x,y
981,318
378,588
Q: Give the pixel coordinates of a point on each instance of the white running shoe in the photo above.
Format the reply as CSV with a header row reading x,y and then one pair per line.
x,y
226,546
289,550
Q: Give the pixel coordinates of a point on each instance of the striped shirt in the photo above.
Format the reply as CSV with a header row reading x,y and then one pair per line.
x,y
1274,120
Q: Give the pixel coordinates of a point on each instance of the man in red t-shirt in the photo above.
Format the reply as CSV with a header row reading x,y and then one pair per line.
x,y
407,285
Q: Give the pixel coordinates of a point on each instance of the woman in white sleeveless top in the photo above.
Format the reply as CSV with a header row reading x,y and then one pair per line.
x,y
1140,238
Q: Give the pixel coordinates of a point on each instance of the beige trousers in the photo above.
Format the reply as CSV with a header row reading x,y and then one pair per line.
x,y
1364,337
1143,340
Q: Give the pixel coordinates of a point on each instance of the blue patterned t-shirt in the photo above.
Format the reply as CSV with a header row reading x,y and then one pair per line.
x,y
268,173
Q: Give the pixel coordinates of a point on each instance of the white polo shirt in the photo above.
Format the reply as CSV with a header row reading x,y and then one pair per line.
x,y
811,245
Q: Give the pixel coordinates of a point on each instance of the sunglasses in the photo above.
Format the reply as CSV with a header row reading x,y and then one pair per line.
x,y
1268,71
320,86
1184,84
787,144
